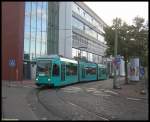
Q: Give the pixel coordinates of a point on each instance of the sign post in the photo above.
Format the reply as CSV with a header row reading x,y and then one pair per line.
x,y
142,74
134,69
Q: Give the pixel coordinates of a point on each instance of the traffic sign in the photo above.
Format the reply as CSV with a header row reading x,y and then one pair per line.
x,y
118,60
12,62
142,71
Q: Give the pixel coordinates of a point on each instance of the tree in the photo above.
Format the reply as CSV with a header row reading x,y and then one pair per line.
x,y
132,40
123,40
140,32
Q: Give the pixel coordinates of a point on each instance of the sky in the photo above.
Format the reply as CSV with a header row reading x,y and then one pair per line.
x,y
107,11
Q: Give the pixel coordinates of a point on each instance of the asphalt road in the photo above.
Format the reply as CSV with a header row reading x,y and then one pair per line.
x,y
86,101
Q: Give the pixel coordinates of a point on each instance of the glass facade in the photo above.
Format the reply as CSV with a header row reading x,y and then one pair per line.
x,y
39,39
89,48
86,16
35,34
78,24
101,38
86,55
86,29
94,50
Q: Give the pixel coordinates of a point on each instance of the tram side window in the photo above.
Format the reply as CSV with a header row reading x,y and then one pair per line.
x,y
67,70
87,69
93,71
74,70
90,70
71,69
55,70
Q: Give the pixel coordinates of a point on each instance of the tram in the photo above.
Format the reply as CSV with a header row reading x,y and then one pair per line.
x,y
53,70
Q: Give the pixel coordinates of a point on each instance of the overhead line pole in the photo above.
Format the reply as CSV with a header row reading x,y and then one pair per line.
x,y
115,53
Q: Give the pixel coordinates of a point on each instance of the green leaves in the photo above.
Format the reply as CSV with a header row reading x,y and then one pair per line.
x,y
132,39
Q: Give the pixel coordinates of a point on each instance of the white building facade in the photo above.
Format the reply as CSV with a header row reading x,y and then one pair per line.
x,y
75,30
69,29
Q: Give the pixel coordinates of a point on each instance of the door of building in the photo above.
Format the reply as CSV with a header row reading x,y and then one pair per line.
x,y
26,70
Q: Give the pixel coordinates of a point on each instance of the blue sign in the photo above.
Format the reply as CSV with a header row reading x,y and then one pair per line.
x,y
118,60
12,63
142,71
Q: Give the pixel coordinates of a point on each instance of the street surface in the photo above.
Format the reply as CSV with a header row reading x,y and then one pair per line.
x,y
83,101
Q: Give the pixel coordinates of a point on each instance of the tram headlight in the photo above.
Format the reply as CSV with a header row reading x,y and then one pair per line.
x,y
48,79
36,78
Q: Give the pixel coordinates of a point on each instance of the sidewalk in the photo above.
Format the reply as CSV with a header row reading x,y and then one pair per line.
x,y
14,103
133,89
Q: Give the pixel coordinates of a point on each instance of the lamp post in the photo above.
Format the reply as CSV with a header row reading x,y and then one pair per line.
x,y
115,55
80,50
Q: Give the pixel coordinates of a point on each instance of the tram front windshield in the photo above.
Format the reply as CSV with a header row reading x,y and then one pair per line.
x,y
44,67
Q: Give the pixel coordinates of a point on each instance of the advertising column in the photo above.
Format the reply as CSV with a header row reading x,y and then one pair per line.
x,y
134,69
122,68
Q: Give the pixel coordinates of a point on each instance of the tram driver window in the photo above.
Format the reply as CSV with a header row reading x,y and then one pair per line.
x,y
55,70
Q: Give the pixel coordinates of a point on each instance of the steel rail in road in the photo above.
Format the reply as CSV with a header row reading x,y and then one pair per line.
x,y
44,105
81,107
51,110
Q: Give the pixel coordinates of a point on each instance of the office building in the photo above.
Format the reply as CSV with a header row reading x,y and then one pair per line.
x,y
33,29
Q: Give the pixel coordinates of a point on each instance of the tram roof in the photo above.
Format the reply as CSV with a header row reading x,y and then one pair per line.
x,y
68,60
48,56
57,57
101,65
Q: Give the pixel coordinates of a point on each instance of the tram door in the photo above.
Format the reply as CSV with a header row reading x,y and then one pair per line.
x,y
62,72
100,72
27,70
83,72
56,72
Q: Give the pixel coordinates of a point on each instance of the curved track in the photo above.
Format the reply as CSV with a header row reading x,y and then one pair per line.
x,y
81,107
44,105
68,103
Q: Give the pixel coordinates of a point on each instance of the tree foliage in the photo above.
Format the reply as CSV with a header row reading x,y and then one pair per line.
x,y
132,39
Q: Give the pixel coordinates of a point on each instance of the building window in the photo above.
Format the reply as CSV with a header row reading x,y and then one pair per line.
x,y
84,14
87,17
79,9
74,53
101,38
76,23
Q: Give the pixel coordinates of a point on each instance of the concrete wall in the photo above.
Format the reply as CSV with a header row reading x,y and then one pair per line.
x,y
53,28
60,28
65,29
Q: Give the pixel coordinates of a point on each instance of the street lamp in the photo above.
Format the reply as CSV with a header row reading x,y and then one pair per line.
x,y
115,55
80,50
